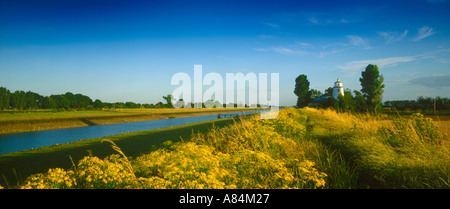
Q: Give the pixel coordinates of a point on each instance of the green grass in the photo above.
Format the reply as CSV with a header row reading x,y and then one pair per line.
x,y
17,166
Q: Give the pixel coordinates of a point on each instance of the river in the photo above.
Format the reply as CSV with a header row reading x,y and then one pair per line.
x,y
36,139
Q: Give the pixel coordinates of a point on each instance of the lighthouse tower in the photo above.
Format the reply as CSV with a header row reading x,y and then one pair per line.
x,y
338,89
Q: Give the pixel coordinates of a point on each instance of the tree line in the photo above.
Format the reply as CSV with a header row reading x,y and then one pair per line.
x,y
21,100
367,100
421,103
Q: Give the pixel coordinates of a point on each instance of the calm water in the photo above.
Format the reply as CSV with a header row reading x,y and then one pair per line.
x,y
29,140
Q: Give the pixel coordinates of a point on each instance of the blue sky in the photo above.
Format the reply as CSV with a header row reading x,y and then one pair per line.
x,y
129,50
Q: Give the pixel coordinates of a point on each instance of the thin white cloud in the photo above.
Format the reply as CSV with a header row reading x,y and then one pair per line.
x,y
424,32
302,43
287,51
353,67
261,49
391,37
267,36
434,81
323,54
358,41
324,19
343,20
405,75
272,25
313,20
283,50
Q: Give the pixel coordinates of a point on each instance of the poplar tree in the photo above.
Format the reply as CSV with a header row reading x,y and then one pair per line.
x,y
302,90
372,88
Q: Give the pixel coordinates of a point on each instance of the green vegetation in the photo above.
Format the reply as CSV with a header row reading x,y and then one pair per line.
x,y
19,100
372,88
429,105
369,98
17,166
366,100
301,148
251,153
302,90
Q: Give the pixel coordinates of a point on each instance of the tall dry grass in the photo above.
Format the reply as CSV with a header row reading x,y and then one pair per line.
x,y
398,153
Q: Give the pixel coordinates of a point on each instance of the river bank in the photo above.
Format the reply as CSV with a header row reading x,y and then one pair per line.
x,y
20,122
16,166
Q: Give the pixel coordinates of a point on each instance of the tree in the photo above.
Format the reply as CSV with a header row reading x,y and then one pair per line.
x,y
132,105
49,103
333,102
314,94
83,100
62,103
372,88
159,105
346,102
98,104
39,100
329,92
302,90
30,100
73,100
359,101
17,100
4,98
168,99
425,103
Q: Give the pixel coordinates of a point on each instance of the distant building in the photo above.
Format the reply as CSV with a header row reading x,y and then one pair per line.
x,y
319,101
338,89
324,99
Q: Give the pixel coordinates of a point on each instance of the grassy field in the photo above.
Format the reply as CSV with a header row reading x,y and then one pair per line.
x,y
301,148
442,121
386,152
25,121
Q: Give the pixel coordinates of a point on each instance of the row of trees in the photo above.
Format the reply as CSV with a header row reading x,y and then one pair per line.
x,y
366,100
20,100
421,103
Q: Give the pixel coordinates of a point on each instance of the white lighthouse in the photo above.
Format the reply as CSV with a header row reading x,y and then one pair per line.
x,y
338,89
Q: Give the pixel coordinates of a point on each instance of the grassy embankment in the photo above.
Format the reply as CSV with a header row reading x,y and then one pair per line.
x,y
386,151
304,148
17,166
251,153
25,121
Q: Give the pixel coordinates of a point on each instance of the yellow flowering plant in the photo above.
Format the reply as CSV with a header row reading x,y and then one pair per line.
x,y
56,178
250,153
